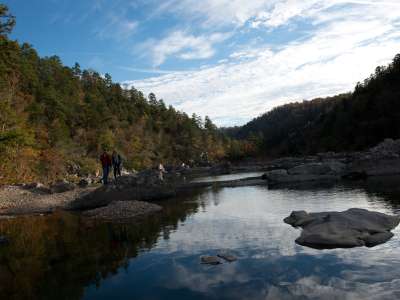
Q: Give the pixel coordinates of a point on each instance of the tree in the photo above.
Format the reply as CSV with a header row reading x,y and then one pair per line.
x,y
209,125
76,70
152,99
7,21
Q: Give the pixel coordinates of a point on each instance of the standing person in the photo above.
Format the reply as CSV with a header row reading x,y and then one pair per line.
x,y
106,164
116,162
161,171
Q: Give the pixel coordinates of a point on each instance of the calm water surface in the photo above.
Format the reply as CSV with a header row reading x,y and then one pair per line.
x,y
227,177
66,257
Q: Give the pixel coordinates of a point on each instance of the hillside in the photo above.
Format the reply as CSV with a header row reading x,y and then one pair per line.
x,y
353,121
56,120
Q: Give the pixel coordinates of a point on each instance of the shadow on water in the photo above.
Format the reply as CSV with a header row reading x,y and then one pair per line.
x,y
56,256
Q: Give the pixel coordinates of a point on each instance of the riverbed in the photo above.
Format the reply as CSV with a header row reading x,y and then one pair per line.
x,y
65,256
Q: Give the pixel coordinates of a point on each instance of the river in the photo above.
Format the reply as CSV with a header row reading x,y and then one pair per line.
x,y
63,256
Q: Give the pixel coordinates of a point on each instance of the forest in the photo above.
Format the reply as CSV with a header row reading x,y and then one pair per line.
x,y
56,120
346,122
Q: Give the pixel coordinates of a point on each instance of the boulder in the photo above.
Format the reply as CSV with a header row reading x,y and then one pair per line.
x,y
62,186
84,182
37,187
376,167
276,175
389,148
352,228
323,168
92,199
282,176
229,257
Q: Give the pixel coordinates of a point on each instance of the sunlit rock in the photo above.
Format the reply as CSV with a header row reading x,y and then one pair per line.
x,y
352,228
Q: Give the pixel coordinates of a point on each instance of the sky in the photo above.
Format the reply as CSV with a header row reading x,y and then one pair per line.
x,y
229,59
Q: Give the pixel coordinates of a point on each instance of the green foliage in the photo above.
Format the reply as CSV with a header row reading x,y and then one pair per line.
x,y
352,121
7,21
52,115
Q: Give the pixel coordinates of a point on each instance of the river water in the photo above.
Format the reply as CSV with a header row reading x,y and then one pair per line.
x,y
64,256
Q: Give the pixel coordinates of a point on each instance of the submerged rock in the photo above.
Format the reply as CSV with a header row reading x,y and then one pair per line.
x,y
210,260
351,228
229,257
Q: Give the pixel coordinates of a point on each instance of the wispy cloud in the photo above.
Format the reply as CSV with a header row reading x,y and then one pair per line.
x,y
345,42
118,27
150,71
183,45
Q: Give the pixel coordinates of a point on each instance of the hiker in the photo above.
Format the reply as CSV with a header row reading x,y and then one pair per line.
x,y
116,163
161,171
106,164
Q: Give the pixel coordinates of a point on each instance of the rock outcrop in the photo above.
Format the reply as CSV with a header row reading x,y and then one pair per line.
x,y
314,171
351,228
381,160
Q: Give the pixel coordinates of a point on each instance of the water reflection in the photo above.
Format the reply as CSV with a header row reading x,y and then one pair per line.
x,y
64,257
227,177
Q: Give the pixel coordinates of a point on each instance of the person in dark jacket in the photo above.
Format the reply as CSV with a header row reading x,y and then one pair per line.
x,y
106,164
116,162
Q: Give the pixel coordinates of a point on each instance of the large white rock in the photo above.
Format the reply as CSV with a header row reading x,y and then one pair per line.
x,y
351,228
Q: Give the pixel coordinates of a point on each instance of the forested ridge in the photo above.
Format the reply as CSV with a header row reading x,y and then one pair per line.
x,y
56,120
346,122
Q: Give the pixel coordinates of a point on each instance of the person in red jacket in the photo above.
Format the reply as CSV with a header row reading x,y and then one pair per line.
x,y
105,160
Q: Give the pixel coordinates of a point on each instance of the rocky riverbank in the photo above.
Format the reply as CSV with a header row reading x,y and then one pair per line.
x,y
382,160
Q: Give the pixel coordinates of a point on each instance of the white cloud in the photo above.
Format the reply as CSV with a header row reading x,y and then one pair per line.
x,y
349,39
183,45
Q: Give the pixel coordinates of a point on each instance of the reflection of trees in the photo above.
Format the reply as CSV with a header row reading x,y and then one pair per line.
x,y
386,187
378,188
56,257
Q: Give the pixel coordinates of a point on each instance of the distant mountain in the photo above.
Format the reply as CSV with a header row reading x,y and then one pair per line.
x,y
344,122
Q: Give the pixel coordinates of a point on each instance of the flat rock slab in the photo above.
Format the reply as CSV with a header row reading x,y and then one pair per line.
x,y
210,260
122,210
351,228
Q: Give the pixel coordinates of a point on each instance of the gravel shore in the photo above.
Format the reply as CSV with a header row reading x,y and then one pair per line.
x,y
16,200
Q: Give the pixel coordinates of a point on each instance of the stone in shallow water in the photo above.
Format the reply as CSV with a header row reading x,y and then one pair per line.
x,y
227,256
210,260
352,228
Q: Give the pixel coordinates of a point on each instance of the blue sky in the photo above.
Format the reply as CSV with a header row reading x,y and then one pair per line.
x,y
229,59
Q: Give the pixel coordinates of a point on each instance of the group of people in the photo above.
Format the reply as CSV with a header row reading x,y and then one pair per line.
x,y
114,161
